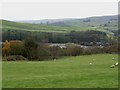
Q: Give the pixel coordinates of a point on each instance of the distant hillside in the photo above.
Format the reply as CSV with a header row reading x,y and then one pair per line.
x,y
108,24
31,27
10,25
83,22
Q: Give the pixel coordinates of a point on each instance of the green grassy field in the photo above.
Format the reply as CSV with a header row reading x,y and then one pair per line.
x,y
72,72
73,25
39,27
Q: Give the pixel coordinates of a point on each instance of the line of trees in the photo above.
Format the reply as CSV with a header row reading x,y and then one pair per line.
x,y
32,50
53,37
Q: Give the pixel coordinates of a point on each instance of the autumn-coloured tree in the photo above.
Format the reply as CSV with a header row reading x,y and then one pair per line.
x,y
6,48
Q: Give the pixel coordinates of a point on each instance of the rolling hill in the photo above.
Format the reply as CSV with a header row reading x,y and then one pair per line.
x,y
110,21
38,27
106,24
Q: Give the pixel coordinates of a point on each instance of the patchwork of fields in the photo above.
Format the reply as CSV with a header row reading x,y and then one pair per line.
x,y
67,72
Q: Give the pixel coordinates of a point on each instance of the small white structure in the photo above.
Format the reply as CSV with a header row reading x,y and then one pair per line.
x,y
59,45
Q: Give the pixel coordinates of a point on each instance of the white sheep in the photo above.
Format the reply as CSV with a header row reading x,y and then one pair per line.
x,y
113,58
90,63
112,66
54,59
116,64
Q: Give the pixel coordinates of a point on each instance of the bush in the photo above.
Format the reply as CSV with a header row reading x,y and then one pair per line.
x,y
6,48
54,51
92,50
16,47
111,49
30,48
14,58
73,50
43,52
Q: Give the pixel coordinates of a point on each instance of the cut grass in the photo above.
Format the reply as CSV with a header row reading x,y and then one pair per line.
x,y
67,72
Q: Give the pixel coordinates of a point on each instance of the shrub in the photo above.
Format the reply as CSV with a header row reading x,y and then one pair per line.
x,y
6,48
73,49
43,52
16,47
14,58
30,48
54,51
111,49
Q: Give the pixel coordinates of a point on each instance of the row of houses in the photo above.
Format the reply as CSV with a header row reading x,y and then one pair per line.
x,y
64,46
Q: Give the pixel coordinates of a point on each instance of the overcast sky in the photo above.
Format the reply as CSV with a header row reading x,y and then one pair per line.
x,y
53,10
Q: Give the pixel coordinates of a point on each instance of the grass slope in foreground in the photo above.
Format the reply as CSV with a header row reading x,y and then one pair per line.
x,y
72,72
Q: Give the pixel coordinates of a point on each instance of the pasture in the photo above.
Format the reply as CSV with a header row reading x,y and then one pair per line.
x,y
67,72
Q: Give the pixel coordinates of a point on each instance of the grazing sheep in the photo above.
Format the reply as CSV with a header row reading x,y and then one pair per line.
x,y
90,63
112,66
116,64
54,59
113,58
